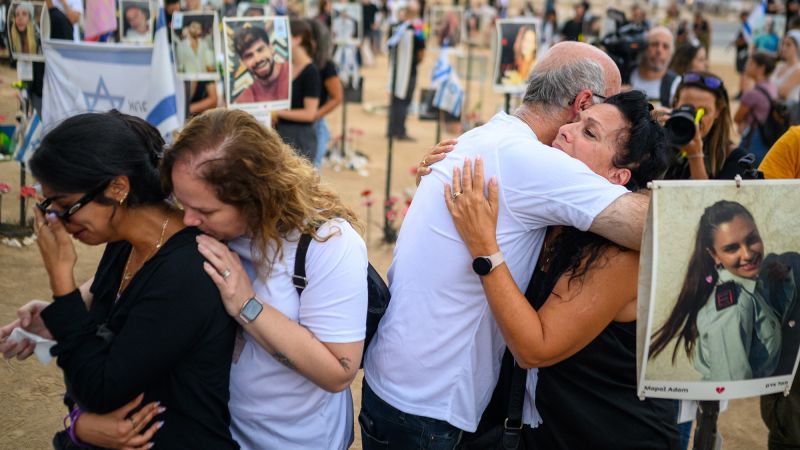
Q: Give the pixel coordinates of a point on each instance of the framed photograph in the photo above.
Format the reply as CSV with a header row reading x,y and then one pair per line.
x,y
258,63
311,8
136,21
195,42
515,53
25,33
447,26
718,307
253,10
347,23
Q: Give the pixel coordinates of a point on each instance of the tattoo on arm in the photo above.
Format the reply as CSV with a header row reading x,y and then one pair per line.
x,y
283,359
345,362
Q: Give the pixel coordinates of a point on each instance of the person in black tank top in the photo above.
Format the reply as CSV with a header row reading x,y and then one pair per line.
x,y
578,322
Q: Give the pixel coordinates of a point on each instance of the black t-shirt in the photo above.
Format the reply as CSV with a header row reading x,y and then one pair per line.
x,y
167,335
572,30
327,72
307,85
368,11
60,28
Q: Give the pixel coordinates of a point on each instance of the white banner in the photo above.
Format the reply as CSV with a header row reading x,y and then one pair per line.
x,y
138,80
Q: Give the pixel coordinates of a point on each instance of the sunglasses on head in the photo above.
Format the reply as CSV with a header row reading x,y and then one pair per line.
x,y
709,81
68,212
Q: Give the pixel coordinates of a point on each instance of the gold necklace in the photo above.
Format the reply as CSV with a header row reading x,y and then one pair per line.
x,y
126,276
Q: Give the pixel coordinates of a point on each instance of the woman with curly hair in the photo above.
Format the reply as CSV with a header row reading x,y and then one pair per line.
x,y
297,352
24,32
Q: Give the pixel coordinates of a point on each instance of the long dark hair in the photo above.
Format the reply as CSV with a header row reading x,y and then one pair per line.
x,y
643,150
322,43
300,28
696,286
87,150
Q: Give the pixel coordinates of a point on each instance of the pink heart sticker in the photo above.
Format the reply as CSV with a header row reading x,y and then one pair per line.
x,y
709,280
720,389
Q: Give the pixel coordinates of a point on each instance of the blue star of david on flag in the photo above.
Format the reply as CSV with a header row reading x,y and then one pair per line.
x,y
101,93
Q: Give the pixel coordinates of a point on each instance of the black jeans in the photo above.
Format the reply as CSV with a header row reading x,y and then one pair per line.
x,y
386,427
399,110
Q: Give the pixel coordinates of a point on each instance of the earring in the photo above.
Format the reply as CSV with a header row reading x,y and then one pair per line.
x,y
122,200
718,266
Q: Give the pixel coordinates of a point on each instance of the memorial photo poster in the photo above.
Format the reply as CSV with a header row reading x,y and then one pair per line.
x,y
719,290
136,21
447,26
245,9
515,53
347,23
24,26
195,41
257,63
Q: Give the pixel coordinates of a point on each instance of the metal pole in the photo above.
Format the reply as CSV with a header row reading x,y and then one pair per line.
x,y
508,103
465,108
343,147
439,116
22,218
389,234
705,435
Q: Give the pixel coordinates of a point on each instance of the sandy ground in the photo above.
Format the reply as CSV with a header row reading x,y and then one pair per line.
x,y
30,394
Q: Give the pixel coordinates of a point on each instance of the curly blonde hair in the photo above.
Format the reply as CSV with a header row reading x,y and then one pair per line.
x,y
248,166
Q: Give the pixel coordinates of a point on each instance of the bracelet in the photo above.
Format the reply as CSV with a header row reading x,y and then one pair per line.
x,y
699,155
73,419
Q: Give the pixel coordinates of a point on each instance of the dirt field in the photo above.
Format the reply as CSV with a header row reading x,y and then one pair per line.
x,y
30,394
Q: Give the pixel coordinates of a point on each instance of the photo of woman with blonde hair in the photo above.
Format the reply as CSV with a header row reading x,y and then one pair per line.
x,y
23,31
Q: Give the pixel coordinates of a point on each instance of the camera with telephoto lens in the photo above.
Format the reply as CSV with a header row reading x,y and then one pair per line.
x,y
680,125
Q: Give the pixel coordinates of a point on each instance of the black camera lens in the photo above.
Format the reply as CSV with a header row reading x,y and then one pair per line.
x,y
680,125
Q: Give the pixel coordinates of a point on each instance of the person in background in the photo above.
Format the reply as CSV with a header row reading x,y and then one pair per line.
x,y
768,41
690,57
652,75
787,72
573,28
369,12
73,9
296,125
324,15
331,92
756,104
639,17
399,107
702,30
549,32
742,51
783,158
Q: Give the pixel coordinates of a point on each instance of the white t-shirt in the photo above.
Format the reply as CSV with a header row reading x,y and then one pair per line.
x,y
272,406
76,5
437,351
652,88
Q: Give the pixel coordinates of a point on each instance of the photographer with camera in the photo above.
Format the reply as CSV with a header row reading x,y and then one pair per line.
x,y
700,130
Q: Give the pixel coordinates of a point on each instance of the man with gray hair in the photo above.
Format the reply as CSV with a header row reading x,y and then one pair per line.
x,y
432,366
653,75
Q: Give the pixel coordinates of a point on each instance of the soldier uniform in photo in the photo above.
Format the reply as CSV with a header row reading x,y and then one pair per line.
x,y
739,332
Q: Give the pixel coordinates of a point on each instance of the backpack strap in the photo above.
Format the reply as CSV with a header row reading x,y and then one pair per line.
x,y
512,427
665,92
771,104
299,278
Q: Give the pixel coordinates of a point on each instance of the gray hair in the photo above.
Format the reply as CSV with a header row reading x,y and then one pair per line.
x,y
557,86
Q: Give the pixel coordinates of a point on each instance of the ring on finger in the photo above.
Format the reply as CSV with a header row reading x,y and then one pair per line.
x,y
226,274
424,161
456,194
133,422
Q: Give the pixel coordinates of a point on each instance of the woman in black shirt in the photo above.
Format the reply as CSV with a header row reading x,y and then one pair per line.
x,y
296,125
331,93
150,320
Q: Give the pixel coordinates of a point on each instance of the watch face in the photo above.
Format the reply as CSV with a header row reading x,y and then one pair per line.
x,y
251,309
482,265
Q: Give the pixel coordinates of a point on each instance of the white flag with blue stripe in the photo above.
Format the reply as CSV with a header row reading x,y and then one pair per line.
x,y
92,77
449,93
755,20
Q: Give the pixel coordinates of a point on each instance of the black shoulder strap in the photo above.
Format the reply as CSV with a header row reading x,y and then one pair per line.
x,y
299,278
766,94
665,94
512,428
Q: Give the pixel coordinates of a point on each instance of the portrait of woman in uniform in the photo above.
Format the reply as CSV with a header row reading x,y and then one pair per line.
x,y
735,316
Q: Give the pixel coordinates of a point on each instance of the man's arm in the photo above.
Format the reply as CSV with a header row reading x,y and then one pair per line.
x,y
623,220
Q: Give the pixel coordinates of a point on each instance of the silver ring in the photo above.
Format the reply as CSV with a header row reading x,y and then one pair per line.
x,y
226,274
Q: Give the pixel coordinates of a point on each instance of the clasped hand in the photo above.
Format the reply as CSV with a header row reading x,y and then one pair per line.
x,y
226,270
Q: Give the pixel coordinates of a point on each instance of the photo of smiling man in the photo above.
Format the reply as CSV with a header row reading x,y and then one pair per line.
x,y
258,61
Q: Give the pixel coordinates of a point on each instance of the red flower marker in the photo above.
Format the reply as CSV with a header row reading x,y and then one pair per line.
x,y
4,188
27,192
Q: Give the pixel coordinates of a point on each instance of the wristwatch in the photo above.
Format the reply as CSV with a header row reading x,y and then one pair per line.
x,y
250,310
482,265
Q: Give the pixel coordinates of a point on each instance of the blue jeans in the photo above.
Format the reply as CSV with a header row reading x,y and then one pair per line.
x,y
323,137
385,427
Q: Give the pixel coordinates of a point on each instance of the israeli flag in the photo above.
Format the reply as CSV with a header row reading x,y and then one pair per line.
x,y
755,20
139,80
449,93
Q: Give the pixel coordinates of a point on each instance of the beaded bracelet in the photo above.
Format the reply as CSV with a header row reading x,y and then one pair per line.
x,y
73,419
696,156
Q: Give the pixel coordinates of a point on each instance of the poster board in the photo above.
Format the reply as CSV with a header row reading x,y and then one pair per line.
x,y
136,19
447,26
515,53
258,62
347,23
195,44
722,261
24,25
